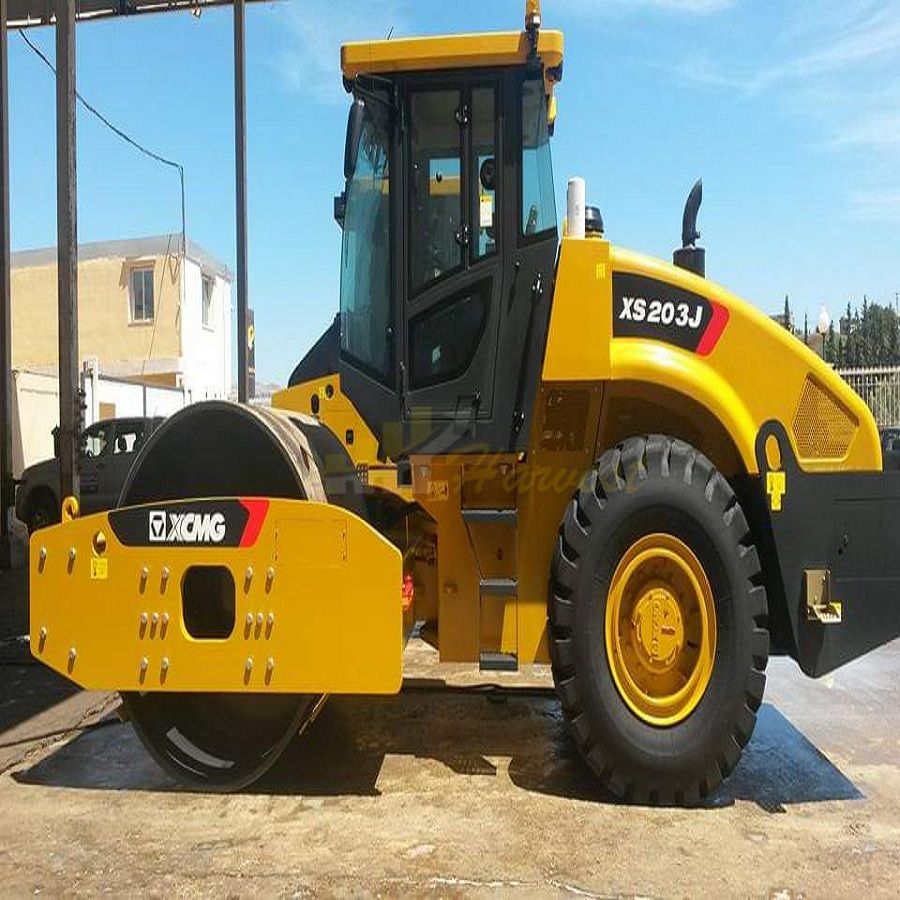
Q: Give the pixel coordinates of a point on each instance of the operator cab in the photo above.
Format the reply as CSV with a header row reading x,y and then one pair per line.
x,y
449,236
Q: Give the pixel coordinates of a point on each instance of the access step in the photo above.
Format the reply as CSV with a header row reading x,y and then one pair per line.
x,y
483,516
499,587
498,662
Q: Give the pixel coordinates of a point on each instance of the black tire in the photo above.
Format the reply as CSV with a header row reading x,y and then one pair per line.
x,y
646,485
41,511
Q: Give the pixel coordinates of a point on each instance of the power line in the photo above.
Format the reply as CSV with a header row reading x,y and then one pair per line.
x,y
122,135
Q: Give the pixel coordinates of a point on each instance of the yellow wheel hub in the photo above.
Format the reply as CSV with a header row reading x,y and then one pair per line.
x,y
660,629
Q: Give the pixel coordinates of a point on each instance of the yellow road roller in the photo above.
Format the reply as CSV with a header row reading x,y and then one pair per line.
x,y
523,441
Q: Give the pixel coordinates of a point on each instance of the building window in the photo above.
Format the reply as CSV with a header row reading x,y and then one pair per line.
x,y
207,303
141,295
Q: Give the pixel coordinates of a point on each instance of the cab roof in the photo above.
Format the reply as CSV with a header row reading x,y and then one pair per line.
x,y
457,51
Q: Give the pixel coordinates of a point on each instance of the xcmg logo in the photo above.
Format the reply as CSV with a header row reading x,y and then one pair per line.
x,y
186,527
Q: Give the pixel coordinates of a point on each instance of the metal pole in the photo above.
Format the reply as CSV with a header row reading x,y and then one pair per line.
x,y
67,248
240,179
6,482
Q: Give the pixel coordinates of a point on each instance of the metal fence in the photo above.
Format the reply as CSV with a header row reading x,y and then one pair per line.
x,y
880,388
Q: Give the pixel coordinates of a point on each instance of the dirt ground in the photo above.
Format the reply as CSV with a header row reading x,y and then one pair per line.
x,y
444,791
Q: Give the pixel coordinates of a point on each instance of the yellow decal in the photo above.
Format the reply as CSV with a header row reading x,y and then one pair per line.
x,y
776,488
99,569
438,491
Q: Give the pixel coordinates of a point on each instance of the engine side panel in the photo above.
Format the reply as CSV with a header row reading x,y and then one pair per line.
x,y
620,316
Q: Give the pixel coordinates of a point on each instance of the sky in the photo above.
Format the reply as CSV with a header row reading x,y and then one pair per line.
x,y
789,111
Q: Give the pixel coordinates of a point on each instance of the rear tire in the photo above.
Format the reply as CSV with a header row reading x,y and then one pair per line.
x,y
661,491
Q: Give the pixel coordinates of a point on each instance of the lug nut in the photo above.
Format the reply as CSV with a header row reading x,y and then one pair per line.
x,y
164,578
145,574
43,633
42,559
72,655
154,618
270,577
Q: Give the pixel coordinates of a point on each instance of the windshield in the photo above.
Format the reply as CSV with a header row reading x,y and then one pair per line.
x,y
365,258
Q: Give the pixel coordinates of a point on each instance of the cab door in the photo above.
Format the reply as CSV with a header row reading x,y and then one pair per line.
x,y
453,267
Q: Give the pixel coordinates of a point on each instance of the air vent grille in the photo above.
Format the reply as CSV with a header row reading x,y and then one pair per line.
x,y
823,427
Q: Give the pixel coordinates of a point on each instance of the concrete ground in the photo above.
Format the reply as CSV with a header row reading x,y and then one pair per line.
x,y
443,790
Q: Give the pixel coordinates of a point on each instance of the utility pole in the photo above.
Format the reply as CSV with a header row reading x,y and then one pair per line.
x,y
240,184
6,481
67,249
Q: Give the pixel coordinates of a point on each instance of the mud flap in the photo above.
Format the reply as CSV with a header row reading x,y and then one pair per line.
x,y
229,595
837,540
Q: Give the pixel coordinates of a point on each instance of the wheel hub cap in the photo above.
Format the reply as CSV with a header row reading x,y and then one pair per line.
x,y
660,629
657,629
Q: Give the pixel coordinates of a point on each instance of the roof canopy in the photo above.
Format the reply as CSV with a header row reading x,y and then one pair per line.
x,y
458,51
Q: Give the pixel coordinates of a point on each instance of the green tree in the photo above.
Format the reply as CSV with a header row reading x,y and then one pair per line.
x,y
830,352
788,319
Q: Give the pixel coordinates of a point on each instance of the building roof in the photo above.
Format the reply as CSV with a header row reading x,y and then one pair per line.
x,y
129,248
457,51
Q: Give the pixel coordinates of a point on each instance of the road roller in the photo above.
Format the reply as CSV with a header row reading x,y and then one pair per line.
x,y
526,443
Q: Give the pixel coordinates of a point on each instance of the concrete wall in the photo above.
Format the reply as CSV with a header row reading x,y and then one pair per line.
x,y
35,413
205,350
104,326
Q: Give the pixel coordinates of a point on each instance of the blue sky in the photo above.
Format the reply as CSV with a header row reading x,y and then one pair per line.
x,y
789,111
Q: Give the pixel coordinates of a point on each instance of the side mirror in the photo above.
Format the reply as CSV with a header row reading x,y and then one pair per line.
x,y
354,130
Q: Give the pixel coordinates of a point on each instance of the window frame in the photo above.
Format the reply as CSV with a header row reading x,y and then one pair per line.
x,y
141,269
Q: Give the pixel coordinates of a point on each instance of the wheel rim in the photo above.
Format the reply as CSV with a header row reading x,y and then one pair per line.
x,y
660,629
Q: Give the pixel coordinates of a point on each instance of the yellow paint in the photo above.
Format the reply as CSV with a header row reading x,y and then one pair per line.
x,y
660,628
438,491
458,51
336,411
334,600
756,372
776,488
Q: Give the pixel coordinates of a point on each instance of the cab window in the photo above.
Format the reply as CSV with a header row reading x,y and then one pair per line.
x,y
444,339
366,308
436,236
538,213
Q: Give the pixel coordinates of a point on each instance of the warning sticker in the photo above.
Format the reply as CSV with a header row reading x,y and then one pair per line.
x,y
486,218
99,569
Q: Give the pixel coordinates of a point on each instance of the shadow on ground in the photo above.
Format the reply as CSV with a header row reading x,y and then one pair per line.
x,y
343,751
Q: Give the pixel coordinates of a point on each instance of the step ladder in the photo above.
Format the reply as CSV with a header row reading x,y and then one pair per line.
x,y
492,537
